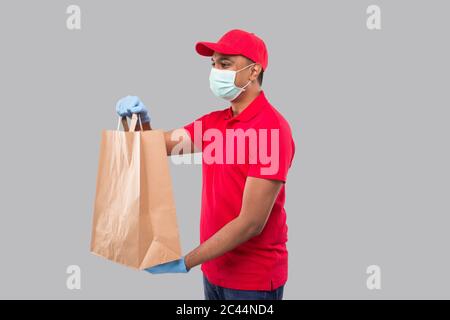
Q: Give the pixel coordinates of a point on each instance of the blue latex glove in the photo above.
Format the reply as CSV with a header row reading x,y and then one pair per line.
x,y
177,266
128,105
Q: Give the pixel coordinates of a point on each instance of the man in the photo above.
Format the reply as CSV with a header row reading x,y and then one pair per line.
x,y
243,229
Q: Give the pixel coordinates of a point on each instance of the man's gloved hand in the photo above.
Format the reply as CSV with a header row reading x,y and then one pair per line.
x,y
177,266
128,105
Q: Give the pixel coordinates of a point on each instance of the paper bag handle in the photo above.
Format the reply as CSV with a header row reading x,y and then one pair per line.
x,y
134,121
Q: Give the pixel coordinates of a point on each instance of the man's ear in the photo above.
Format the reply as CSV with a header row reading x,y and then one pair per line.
x,y
256,70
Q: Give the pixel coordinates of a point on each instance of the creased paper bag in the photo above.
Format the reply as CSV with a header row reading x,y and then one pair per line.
x,y
134,212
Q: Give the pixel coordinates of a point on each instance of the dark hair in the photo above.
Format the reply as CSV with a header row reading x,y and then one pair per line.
x,y
260,77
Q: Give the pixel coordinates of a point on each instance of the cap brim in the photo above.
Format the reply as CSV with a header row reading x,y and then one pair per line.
x,y
208,48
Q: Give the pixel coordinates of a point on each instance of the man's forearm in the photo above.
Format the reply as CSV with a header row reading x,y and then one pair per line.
x,y
178,142
145,126
230,236
170,142
167,137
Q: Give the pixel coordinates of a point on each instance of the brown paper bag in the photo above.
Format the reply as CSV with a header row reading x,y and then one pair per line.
x,y
134,213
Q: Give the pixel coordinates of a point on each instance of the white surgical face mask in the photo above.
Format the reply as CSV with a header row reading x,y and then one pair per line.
x,y
222,84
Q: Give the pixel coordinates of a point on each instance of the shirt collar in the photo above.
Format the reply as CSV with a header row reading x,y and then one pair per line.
x,y
250,111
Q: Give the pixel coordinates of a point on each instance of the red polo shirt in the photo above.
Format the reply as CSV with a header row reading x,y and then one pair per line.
x,y
261,263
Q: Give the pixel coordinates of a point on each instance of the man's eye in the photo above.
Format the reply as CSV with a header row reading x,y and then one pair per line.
x,y
223,65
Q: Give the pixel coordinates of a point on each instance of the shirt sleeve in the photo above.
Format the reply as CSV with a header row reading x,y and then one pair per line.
x,y
273,161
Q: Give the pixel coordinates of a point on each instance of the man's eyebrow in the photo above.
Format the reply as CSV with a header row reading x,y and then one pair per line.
x,y
221,59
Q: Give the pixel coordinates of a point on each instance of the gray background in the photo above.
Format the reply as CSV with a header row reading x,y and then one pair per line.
x,y
369,112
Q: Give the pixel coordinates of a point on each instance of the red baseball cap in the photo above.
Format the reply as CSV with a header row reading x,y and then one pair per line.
x,y
237,42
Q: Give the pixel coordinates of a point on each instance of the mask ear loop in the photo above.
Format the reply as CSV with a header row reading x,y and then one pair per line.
x,y
246,67
243,88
